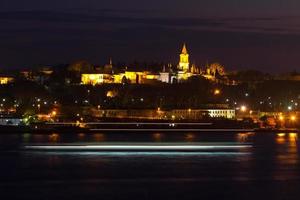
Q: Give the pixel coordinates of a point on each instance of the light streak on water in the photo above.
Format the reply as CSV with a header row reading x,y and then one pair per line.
x,y
121,154
138,147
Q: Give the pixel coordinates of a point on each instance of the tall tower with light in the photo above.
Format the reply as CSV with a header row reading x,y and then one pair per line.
x,y
184,60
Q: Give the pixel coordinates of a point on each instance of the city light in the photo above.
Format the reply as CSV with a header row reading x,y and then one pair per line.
x,y
281,134
243,108
281,118
217,92
53,113
293,118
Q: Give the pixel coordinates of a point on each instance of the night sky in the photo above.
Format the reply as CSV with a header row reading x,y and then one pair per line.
x,y
240,34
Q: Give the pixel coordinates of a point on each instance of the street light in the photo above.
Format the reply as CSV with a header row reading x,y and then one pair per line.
x,y
54,113
243,108
217,92
293,118
281,118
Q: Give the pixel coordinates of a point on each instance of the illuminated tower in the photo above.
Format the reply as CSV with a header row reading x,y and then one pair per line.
x,y
184,60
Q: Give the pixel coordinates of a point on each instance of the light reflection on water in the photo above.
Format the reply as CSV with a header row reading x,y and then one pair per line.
x,y
270,167
54,138
244,137
287,156
272,157
98,137
120,137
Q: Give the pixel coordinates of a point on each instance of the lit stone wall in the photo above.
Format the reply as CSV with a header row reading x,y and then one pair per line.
x,y
6,80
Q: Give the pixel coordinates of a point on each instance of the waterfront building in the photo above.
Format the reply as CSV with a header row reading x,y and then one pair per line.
x,y
173,114
221,113
10,121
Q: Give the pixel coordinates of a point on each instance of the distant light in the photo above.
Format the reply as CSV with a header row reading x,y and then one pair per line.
x,y
290,107
281,134
281,117
243,108
54,113
293,135
217,92
246,94
293,118
111,94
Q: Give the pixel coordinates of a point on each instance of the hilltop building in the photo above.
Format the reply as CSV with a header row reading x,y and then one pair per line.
x,y
108,75
184,64
4,79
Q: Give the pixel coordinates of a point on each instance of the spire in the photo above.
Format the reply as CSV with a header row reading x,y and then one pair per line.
x,y
184,50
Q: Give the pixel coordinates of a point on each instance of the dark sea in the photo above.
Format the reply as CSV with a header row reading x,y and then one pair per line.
x,y
268,168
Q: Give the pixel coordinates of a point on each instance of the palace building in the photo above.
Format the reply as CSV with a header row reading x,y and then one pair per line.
x,y
6,79
107,75
184,64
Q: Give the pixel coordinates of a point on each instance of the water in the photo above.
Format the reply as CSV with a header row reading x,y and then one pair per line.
x,y
270,169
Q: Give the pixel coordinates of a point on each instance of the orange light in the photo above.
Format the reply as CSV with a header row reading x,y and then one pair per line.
x,y
281,134
243,108
293,118
281,118
293,135
217,92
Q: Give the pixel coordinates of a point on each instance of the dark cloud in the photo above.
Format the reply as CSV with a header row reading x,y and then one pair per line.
x,y
49,37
